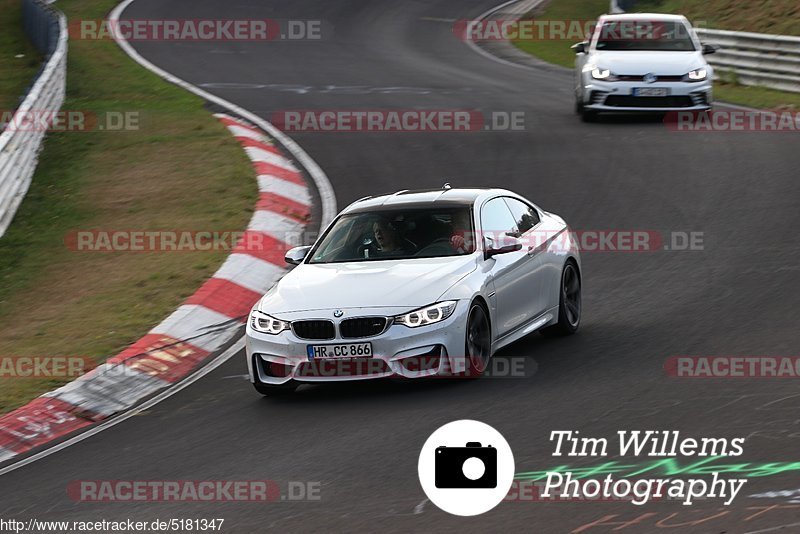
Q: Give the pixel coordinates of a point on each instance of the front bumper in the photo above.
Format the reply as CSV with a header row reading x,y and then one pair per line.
x,y
399,351
618,96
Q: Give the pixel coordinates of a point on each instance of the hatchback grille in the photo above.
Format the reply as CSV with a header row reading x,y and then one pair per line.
x,y
362,327
315,329
639,78
625,101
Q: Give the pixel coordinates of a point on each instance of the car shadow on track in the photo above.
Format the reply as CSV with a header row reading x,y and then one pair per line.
x,y
630,118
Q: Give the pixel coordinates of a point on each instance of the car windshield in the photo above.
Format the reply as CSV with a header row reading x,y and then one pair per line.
x,y
641,35
397,234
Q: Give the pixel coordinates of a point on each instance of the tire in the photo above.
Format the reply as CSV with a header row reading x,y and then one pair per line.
x,y
275,391
477,341
569,303
588,115
578,105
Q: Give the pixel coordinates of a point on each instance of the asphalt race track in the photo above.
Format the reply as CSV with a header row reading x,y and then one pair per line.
x,y
737,296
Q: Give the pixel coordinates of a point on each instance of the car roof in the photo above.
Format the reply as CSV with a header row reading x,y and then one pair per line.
x,y
424,198
646,16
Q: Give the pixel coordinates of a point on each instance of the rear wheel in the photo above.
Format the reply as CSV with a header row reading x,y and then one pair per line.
x,y
569,303
274,390
478,343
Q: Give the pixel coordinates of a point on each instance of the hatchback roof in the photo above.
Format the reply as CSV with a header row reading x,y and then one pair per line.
x,y
645,16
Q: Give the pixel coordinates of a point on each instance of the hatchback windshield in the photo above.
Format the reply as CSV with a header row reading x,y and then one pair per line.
x,y
641,35
397,234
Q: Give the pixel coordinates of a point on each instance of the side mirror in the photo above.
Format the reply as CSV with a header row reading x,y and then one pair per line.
x,y
502,245
296,255
709,48
580,48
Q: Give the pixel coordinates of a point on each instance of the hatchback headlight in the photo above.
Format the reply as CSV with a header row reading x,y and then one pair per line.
x,y
261,322
697,75
599,73
427,315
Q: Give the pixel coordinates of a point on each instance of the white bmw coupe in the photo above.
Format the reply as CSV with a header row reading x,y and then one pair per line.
x,y
416,284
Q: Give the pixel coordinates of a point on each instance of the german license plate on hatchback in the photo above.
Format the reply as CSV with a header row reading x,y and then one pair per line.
x,y
345,350
651,91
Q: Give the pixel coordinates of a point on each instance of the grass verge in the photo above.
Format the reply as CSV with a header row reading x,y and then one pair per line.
x,y
19,60
559,52
765,16
180,170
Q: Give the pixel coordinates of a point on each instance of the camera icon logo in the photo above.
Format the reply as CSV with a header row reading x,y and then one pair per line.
x,y
472,466
466,467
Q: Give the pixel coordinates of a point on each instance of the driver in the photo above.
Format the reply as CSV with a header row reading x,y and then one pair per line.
x,y
462,239
389,240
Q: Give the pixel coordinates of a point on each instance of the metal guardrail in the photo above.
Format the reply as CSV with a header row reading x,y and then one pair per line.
x,y
756,58
20,142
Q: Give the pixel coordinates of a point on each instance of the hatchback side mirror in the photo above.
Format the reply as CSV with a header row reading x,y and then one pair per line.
x,y
502,245
296,255
580,48
709,48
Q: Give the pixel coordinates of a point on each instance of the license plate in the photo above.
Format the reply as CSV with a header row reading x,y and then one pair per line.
x,y
347,350
651,91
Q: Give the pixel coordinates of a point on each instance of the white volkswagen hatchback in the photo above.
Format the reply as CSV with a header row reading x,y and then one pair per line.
x,y
416,284
642,62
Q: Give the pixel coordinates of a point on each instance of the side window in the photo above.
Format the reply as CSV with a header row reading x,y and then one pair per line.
x,y
525,216
496,219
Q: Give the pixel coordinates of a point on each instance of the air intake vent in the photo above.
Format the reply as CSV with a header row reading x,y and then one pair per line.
x,y
699,99
597,97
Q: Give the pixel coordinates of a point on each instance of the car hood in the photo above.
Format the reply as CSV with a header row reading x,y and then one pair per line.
x,y
640,63
409,283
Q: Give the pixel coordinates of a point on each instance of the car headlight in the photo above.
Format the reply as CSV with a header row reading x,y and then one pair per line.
x,y
261,322
427,315
599,73
697,75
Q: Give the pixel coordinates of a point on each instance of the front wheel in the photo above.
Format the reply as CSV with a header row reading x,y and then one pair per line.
x,y
588,115
569,303
478,344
